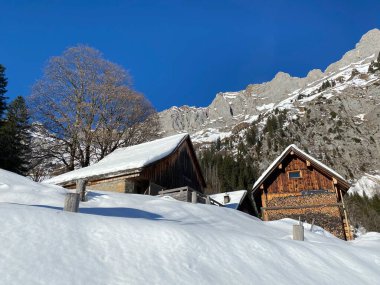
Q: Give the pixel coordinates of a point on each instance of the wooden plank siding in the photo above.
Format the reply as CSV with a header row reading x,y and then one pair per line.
x,y
311,178
177,170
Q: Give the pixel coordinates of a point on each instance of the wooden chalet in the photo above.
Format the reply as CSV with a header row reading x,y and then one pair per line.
x,y
145,168
297,185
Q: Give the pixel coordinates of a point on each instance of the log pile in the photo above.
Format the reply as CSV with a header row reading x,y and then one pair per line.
x,y
329,217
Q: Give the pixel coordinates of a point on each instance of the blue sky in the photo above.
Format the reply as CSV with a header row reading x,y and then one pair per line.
x,y
183,52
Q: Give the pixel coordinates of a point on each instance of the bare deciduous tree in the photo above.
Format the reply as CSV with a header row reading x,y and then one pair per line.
x,y
88,107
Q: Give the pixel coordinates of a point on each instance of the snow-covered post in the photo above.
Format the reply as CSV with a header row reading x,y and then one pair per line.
x,y
194,197
71,202
81,189
208,201
298,232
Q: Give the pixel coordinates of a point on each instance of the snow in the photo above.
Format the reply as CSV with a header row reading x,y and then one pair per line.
x,y
236,197
368,184
230,95
265,107
360,116
134,239
328,95
251,119
311,90
310,98
123,159
309,157
209,135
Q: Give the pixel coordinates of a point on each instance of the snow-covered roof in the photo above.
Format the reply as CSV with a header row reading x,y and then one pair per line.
x,y
123,159
236,197
293,147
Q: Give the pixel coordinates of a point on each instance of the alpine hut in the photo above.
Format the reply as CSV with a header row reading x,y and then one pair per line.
x,y
296,185
164,163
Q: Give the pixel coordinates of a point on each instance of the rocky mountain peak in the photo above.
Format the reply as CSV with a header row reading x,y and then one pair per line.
x,y
282,76
314,74
370,38
365,50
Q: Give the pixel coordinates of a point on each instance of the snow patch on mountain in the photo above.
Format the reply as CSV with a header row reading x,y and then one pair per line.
x,y
368,184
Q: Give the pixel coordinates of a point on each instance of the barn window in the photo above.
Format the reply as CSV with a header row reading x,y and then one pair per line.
x,y
294,174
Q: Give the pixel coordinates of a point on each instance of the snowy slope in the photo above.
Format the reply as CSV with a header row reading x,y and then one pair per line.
x,y
134,239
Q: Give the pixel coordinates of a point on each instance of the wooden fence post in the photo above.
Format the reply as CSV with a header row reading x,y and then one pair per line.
x,y
298,232
194,197
208,201
71,202
312,225
81,189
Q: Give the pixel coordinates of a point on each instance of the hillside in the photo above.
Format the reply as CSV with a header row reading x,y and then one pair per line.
x,y
135,239
333,115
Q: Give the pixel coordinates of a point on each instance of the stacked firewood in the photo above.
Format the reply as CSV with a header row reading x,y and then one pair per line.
x,y
332,224
297,200
327,217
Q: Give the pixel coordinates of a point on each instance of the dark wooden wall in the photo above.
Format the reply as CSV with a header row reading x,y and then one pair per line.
x,y
312,179
177,170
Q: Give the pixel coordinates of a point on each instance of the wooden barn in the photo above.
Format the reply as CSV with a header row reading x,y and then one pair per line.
x,y
145,168
297,185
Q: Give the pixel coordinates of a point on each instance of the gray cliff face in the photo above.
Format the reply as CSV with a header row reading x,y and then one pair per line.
x,y
230,108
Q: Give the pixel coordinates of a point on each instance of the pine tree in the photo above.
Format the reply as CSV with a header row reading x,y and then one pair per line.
x,y
3,90
251,135
15,138
371,67
218,144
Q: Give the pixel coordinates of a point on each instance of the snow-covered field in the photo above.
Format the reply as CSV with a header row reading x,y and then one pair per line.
x,y
134,239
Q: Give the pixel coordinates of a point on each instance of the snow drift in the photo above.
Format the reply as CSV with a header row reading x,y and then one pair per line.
x,y
134,239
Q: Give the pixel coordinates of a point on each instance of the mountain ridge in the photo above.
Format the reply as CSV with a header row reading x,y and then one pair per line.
x,y
332,114
256,98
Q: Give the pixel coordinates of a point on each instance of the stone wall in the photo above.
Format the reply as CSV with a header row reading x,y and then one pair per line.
x,y
114,185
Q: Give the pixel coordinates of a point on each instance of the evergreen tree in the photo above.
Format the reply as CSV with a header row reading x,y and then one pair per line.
x,y
375,65
251,135
3,90
218,144
15,138
371,68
